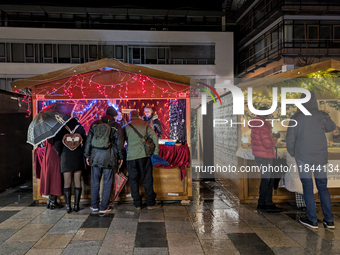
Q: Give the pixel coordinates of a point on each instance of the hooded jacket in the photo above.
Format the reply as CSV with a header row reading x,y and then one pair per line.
x,y
154,123
106,158
262,141
135,146
307,140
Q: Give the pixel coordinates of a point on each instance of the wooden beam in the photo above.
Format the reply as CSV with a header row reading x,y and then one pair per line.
x,y
328,65
97,65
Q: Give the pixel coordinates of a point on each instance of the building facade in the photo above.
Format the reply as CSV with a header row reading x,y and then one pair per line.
x,y
279,35
40,39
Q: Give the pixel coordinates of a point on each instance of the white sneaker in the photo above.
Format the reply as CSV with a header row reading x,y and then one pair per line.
x,y
94,209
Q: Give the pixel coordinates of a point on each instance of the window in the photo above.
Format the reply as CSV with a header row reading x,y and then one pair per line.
x,y
267,43
150,55
251,54
288,35
268,6
75,53
29,51
251,20
17,52
107,51
336,33
313,33
93,54
2,52
119,53
64,54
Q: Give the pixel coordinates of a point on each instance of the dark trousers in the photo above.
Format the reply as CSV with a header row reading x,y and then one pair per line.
x,y
141,168
267,182
96,175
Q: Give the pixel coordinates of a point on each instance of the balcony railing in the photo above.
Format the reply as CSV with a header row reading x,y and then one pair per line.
x,y
289,47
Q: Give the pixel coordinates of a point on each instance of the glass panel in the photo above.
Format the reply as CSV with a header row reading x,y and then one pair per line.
x,y
151,55
119,52
2,50
313,32
47,50
93,51
136,52
29,50
108,51
336,33
64,53
18,52
75,51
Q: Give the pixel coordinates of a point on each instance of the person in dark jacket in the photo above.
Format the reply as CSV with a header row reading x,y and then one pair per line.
x,y
120,119
104,161
138,163
263,148
153,121
308,144
72,162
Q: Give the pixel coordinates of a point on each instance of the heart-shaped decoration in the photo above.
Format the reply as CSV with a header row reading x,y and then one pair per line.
x,y
72,141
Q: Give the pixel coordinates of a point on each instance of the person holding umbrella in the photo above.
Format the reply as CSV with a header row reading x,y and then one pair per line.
x,y
43,129
68,144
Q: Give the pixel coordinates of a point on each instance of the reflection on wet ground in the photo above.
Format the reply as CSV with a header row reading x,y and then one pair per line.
x,y
214,223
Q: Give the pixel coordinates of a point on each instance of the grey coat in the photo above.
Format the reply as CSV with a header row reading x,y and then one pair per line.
x,y
307,141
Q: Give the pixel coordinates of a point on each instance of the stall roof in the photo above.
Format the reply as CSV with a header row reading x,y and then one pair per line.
x,y
328,65
106,78
98,65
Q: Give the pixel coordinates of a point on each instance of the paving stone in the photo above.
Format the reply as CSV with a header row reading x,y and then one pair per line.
x,y
178,226
130,214
6,233
236,227
14,223
30,233
49,216
123,226
90,234
34,251
210,231
66,226
150,251
95,221
184,243
290,250
16,248
121,244
53,241
29,213
4,215
249,243
218,247
274,237
151,217
151,234
12,208
83,247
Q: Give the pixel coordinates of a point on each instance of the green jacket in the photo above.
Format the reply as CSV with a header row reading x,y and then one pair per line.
x,y
135,146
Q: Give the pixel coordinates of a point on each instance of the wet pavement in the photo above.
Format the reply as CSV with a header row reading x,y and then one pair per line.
x,y
214,223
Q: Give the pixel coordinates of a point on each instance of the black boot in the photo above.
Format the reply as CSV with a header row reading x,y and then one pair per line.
x,y
77,194
49,202
67,196
52,202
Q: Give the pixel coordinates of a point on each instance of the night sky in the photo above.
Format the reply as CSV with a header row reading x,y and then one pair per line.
x,y
215,5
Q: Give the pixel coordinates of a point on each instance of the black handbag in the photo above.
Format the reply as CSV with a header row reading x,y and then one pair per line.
x,y
149,146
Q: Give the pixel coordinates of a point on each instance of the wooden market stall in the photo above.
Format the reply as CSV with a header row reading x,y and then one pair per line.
x,y
246,185
109,80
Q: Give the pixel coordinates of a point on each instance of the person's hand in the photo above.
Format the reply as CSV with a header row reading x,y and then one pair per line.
x,y
120,163
87,161
335,131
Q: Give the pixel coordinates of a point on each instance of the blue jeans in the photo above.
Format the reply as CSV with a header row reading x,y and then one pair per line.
x,y
308,194
96,175
267,182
